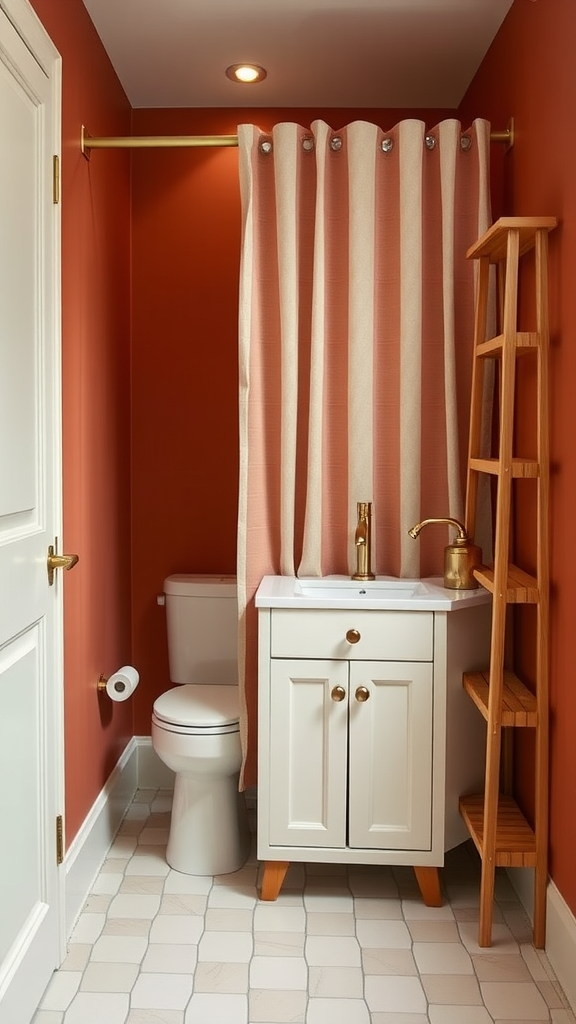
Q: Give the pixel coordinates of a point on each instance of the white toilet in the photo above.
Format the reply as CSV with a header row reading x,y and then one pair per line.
x,y
195,726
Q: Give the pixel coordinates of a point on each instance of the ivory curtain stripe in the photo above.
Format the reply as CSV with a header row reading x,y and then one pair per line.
x,y
312,543
245,148
355,348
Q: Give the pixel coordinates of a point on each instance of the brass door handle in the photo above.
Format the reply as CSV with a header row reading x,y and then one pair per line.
x,y
362,694
353,636
338,694
58,562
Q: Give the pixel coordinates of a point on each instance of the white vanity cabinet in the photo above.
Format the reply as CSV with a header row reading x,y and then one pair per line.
x,y
350,756
359,774
365,736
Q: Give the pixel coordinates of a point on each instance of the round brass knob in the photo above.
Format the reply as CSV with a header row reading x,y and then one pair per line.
x,y
362,694
338,694
352,636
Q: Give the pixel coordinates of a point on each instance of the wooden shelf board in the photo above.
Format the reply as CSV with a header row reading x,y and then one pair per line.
x,y
518,703
521,588
526,469
524,341
515,840
494,242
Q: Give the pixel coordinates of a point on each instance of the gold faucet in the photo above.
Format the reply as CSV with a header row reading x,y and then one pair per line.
x,y
363,541
462,535
460,558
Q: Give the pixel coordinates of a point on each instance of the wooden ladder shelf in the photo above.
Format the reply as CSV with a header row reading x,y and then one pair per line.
x,y
501,834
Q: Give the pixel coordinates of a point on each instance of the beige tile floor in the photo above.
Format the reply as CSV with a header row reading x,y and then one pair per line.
x,y
341,945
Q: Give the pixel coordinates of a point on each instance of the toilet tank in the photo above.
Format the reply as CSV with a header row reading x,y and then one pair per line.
x,y
202,625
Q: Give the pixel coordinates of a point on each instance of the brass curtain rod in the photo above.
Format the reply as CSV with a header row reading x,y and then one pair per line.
x,y
88,143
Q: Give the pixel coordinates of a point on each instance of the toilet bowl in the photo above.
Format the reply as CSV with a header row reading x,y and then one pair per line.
x,y
196,731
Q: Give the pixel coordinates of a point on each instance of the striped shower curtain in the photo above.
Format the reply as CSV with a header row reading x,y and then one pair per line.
x,y
355,335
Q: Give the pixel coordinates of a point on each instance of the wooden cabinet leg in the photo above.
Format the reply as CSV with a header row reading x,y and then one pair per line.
x,y
274,875
429,884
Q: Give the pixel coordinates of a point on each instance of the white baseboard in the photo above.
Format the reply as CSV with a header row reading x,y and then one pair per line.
x,y
88,849
138,767
560,928
561,942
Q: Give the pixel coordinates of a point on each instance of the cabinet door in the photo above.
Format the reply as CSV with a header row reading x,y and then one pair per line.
x,y
390,786
308,753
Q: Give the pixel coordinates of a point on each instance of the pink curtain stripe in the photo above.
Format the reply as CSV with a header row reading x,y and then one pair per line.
x,y
285,141
360,141
355,335
412,285
449,135
386,388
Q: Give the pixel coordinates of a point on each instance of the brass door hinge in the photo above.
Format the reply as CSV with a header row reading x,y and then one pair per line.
x,y
59,839
56,179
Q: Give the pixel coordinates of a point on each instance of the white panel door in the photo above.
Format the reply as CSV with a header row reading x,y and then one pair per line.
x,y
390,797
31,755
308,752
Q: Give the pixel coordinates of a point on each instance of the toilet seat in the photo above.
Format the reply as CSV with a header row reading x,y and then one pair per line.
x,y
199,709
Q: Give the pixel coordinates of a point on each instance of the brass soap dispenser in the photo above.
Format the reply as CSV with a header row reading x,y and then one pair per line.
x,y
460,558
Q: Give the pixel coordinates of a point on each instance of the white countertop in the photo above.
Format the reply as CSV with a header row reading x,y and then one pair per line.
x,y
386,592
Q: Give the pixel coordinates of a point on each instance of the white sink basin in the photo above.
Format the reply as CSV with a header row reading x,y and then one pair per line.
x,y
385,592
342,589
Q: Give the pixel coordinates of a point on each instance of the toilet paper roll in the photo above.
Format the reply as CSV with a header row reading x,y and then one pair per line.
x,y
122,683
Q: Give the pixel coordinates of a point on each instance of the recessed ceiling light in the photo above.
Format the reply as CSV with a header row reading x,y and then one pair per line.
x,y
246,73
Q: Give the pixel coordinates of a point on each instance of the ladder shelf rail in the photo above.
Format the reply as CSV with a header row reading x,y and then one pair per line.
x,y
499,830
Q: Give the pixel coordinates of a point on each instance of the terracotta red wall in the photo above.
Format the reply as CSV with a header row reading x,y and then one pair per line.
x,y
96,405
183,482
185,269
530,73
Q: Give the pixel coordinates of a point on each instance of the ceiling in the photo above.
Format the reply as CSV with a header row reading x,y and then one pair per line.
x,y
318,53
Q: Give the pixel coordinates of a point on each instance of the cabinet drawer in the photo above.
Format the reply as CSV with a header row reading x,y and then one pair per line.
x,y
322,633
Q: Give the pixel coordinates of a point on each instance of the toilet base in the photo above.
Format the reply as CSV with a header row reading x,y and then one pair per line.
x,y
209,831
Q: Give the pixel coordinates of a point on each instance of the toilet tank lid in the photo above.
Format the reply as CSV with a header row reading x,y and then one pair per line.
x,y
192,585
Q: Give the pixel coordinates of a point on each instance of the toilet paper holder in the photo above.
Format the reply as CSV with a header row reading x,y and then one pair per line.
x,y
101,684
120,685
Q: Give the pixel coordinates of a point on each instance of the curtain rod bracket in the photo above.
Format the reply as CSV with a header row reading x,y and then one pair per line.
x,y
88,143
506,136
84,147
